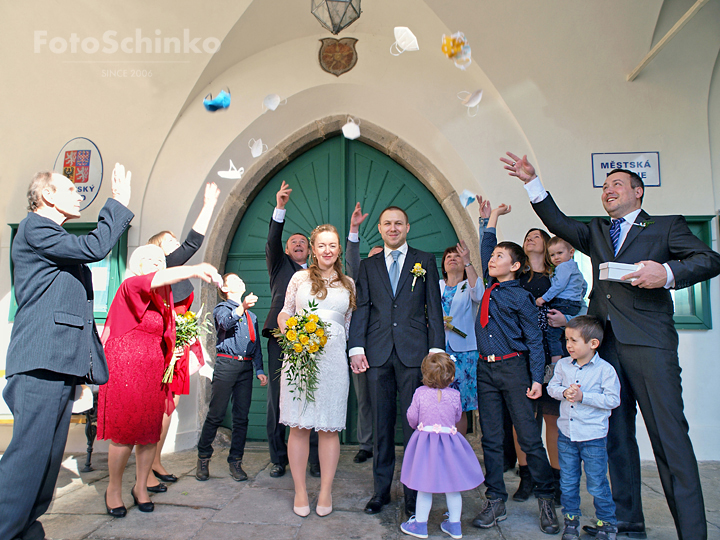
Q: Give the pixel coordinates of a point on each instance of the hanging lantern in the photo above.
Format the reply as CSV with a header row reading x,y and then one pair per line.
x,y
336,15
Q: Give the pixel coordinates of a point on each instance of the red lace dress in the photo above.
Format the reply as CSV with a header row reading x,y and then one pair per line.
x,y
138,337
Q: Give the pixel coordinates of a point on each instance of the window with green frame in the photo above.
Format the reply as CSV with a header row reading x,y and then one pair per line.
x,y
692,304
107,274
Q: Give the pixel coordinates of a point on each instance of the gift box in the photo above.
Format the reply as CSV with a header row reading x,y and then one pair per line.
x,y
614,271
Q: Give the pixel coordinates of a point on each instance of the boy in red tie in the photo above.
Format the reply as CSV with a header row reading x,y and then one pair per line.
x,y
509,342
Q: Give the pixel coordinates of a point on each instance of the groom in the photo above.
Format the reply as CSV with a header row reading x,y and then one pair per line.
x,y
398,320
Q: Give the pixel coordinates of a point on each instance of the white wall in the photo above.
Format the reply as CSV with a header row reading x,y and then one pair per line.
x,y
553,76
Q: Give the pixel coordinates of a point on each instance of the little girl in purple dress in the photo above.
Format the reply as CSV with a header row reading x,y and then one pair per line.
x,y
438,459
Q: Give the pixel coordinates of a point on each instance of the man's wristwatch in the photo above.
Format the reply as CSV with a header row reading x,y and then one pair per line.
x,y
468,264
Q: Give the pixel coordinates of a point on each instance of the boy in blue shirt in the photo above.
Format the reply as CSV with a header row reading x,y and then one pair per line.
x,y
510,370
238,353
566,292
588,389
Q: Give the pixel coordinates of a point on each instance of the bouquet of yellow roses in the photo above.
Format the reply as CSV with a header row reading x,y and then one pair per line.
x,y
188,327
303,340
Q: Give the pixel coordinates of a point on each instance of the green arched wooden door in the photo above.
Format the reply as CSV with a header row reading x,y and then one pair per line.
x,y
327,181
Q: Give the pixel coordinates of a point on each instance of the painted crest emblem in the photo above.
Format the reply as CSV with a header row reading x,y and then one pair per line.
x,y
76,165
338,56
81,162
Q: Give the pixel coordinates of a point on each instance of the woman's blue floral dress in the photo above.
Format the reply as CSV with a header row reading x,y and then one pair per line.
x,y
465,363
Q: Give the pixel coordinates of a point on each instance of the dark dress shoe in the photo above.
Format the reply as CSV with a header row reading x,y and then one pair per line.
x,y
362,456
315,470
143,507
628,529
160,488
277,470
165,477
375,504
119,512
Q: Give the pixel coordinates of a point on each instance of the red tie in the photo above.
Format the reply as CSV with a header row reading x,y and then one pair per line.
x,y
485,305
251,326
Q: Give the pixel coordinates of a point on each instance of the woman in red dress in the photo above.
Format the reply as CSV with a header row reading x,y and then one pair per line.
x,y
139,336
177,254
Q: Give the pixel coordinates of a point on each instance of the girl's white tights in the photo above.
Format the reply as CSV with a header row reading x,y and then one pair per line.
x,y
424,504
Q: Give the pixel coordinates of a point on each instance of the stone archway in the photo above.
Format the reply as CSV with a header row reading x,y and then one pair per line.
x,y
239,199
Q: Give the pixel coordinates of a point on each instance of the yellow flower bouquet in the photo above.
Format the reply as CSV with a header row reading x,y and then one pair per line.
x,y
303,340
188,327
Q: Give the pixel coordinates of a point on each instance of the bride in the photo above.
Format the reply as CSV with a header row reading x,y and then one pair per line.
x,y
334,293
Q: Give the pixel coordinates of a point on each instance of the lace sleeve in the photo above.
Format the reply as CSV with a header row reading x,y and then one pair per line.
x,y
348,314
291,292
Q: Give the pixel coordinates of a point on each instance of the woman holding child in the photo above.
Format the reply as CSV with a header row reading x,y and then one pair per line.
x,y
325,285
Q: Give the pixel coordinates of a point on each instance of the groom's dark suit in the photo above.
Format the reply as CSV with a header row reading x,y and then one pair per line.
x,y
54,343
641,344
396,333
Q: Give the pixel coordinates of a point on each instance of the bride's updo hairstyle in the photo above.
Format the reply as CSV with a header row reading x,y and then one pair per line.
x,y
438,370
319,288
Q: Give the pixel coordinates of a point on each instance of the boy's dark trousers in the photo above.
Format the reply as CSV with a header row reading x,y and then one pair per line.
x,y
231,378
508,381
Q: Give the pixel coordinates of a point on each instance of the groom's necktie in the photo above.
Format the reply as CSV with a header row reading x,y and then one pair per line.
x,y
394,270
615,233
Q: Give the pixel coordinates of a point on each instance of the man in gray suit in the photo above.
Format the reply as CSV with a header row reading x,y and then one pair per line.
x,y
54,343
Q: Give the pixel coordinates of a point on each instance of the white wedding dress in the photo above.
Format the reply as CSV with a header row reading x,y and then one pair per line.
x,y
328,411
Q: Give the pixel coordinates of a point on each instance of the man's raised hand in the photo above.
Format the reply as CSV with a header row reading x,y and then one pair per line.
x,y
519,167
283,195
357,218
121,184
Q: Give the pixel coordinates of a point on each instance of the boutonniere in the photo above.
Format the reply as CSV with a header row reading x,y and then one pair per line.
x,y
462,289
643,224
417,271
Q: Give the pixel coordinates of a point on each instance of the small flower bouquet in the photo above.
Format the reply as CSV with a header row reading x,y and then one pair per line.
x,y
188,327
417,271
303,340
